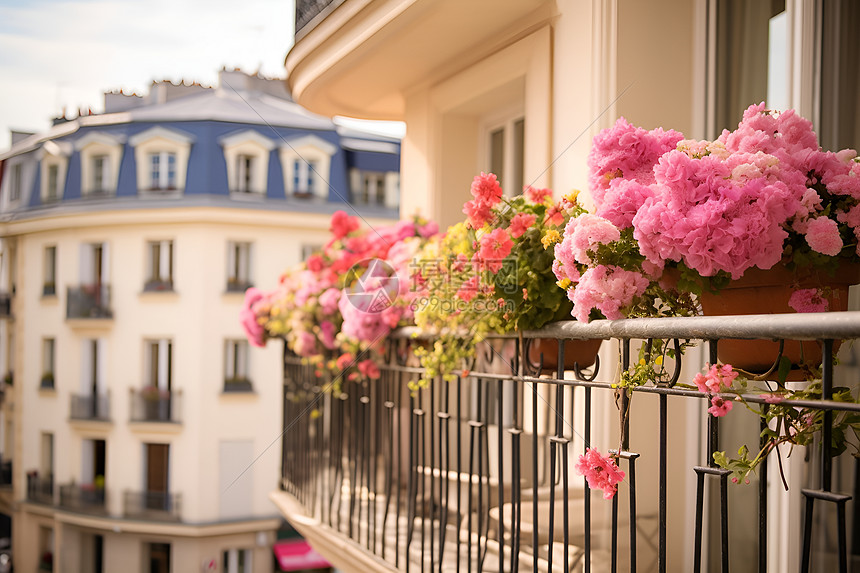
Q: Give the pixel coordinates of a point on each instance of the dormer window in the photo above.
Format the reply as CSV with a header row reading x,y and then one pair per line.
x,y
246,154
245,174
161,156
15,182
162,171
54,157
307,161
101,154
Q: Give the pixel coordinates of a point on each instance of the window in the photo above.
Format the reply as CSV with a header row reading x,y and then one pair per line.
x,y
237,561
162,171
53,182
99,174
159,557
308,250
161,156
236,366
48,360
49,285
372,191
246,154
507,154
307,161
159,364
245,174
15,182
93,362
159,266
101,156
238,266
840,75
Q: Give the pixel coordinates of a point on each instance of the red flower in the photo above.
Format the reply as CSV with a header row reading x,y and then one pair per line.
x,y
369,369
495,246
342,224
477,212
315,263
536,195
345,361
520,224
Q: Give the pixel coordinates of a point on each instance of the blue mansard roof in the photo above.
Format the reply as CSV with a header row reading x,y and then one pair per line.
x,y
207,119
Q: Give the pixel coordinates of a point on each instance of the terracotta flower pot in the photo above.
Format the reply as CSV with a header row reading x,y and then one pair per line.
x,y
581,352
767,292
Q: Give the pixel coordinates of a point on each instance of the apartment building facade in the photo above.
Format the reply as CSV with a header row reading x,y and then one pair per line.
x,y
139,422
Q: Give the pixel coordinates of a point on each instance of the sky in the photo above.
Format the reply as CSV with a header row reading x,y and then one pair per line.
x,y
65,53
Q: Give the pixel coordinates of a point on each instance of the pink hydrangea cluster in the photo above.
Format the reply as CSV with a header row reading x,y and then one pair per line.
x,y
601,472
608,289
716,380
731,204
581,235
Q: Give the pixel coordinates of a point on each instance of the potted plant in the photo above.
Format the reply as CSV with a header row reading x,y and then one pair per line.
x,y
491,274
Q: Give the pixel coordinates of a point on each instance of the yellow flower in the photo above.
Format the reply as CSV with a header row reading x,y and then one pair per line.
x,y
572,196
551,237
563,284
658,361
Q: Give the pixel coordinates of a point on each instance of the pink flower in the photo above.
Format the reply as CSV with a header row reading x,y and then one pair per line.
x,y
608,289
822,234
554,216
600,472
327,334
305,343
345,360
248,316
485,189
477,212
520,224
583,234
342,224
469,289
772,398
717,379
536,195
369,369
329,299
808,300
495,246
720,407
315,263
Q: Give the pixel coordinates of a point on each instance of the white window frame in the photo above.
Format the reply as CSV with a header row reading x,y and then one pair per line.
x,y
16,181
93,366
239,255
161,142
49,361
96,145
231,560
161,270
307,160
504,120
256,146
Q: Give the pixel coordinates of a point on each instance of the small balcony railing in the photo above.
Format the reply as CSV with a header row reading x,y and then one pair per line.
x,y
5,305
89,407
83,497
155,405
238,285
89,301
479,473
152,505
40,489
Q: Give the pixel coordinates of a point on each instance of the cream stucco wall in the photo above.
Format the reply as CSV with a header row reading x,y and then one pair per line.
x,y
197,317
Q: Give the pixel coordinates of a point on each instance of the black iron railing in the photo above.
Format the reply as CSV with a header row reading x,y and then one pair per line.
x,y
89,301
152,505
155,405
478,473
89,407
83,497
40,489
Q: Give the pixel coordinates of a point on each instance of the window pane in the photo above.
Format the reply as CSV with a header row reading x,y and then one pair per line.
x,y
155,171
519,157
497,152
171,170
53,175
840,76
743,58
